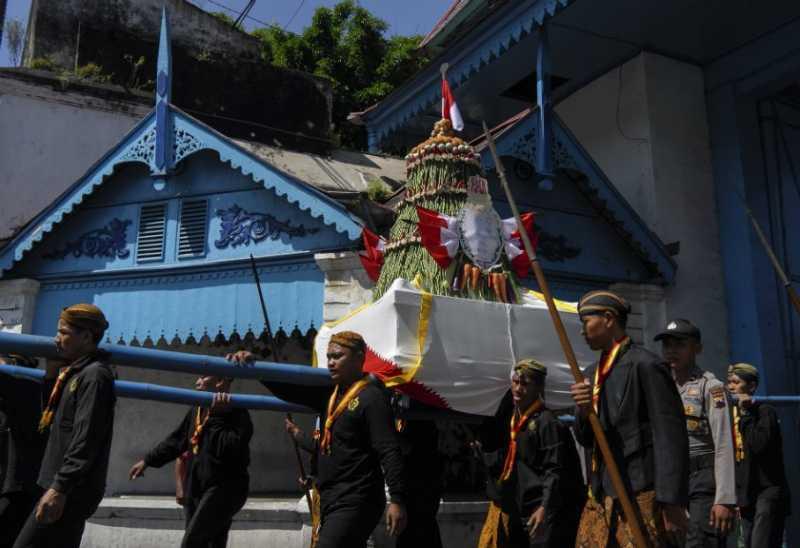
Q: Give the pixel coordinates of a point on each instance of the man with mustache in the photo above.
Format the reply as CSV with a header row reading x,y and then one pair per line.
x,y
712,482
79,414
358,446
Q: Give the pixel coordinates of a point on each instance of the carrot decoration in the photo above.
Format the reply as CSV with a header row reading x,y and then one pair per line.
x,y
476,275
464,276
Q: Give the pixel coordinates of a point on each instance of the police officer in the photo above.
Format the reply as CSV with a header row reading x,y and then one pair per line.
x,y
712,483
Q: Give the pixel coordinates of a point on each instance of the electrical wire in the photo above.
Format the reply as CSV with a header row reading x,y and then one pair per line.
x,y
223,6
294,14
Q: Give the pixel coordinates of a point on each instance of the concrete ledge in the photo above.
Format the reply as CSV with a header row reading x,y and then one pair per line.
x,y
157,522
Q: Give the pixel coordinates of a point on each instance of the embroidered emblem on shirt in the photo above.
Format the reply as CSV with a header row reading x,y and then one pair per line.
x,y
73,385
353,405
532,426
718,395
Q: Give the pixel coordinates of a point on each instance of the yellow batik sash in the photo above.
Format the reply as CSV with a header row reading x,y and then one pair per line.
x,y
199,426
607,362
738,442
517,423
52,402
335,410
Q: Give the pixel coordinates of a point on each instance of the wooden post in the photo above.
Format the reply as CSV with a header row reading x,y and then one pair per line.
x,y
631,515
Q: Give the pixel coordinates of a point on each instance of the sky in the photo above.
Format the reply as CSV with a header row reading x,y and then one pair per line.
x,y
403,16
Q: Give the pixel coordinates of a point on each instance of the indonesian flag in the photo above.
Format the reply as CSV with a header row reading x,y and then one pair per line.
x,y
449,107
438,234
372,257
515,249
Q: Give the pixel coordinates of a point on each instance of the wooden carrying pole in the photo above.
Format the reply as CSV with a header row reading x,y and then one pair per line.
x,y
274,349
631,515
776,264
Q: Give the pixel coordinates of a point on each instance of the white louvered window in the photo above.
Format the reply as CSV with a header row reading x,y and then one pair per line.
x,y
192,229
152,233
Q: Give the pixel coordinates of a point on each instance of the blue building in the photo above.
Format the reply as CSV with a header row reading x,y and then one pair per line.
x,y
690,109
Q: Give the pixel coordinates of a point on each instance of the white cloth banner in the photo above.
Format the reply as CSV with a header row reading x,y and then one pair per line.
x,y
459,353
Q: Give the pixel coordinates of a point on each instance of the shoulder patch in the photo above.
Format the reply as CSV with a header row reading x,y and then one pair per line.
x,y
353,405
73,385
718,395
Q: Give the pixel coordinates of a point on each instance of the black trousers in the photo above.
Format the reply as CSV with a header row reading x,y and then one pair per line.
x,y
350,526
64,533
209,516
702,490
422,529
762,522
14,510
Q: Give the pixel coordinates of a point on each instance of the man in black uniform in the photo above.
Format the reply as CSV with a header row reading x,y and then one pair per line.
x,y
80,415
539,486
762,492
216,444
641,413
357,440
21,450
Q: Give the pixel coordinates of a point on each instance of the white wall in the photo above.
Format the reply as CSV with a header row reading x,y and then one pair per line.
x,y
650,136
45,146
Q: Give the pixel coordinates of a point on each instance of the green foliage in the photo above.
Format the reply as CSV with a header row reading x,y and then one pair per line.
x,y
43,63
346,45
224,17
377,190
93,73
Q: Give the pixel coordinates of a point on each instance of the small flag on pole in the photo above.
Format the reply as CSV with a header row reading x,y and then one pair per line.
x,y
449,107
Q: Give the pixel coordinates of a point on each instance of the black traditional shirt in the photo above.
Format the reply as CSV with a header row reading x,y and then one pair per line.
x,y
364,446
643,419
762,467
547,469
223,453
79,443
21,444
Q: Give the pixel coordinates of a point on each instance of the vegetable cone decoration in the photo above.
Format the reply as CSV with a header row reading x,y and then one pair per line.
x,y
447,236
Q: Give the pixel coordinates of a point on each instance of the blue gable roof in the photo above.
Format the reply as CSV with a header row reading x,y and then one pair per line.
x,y
517,138
189,136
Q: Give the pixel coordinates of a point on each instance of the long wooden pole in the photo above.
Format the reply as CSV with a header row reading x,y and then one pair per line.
x,y
631,515
776,264
274,348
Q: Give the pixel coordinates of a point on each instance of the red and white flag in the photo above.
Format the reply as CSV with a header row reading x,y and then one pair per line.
x,y
372,257
515,249
438,234
449,107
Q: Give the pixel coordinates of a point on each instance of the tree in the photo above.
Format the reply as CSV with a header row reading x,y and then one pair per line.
x,y
346,45
15,35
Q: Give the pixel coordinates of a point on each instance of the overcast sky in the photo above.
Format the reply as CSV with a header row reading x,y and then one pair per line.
x,y
403,16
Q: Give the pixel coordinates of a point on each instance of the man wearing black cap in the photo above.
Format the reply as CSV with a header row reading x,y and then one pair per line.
x,y
761,487
712,483
641,413
537,489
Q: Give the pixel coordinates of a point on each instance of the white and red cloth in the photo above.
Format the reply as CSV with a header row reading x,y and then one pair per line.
x,y
515,249
450,107
459,353
439,235
373,254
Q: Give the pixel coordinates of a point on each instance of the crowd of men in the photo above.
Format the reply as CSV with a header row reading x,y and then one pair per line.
x,y
696,456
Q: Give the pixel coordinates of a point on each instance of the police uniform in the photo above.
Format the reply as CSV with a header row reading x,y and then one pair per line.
x,y
711,455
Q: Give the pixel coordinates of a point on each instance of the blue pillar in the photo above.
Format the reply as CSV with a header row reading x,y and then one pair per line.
x,y
544,135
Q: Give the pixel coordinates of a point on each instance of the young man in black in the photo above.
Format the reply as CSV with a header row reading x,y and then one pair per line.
x,y
639,408
538,484
358,446
216,444
761,489
21,449
80,416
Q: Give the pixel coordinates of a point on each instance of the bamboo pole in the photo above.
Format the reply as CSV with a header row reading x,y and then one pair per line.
x,y
631,515
776,264
274,348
